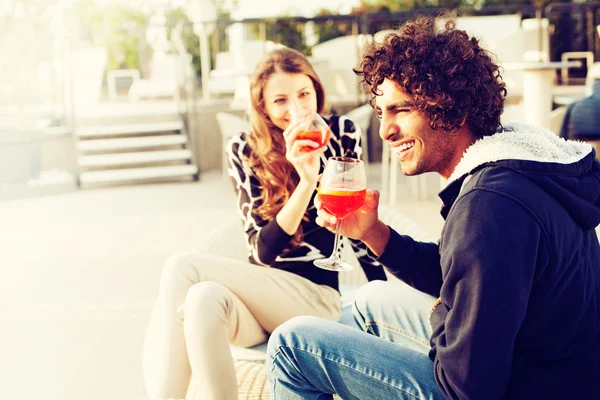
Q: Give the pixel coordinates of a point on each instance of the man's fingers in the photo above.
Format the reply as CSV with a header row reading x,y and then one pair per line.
x,y
325,216
317,202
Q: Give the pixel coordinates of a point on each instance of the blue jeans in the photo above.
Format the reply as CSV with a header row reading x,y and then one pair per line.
x,y
312,358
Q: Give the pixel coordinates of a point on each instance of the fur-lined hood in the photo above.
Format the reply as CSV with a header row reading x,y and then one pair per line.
x,y
565,169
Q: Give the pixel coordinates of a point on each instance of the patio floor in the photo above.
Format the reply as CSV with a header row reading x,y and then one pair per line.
x,y
80,274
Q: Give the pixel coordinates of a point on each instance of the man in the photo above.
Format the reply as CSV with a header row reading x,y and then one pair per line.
x,y
582,118
507,304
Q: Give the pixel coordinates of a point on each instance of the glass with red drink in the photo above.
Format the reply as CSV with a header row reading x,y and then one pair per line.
x,y
342,191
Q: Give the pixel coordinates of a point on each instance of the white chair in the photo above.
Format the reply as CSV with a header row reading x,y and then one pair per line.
x,y
361,116
593,74
229,125
229,241
88,65
240,60
163,82
574,55
343,54
536,39
557,117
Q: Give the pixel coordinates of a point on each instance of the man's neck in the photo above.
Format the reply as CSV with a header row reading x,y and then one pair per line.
x,y
464,139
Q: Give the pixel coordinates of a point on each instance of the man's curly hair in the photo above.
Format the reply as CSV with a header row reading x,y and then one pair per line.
x,y
448,75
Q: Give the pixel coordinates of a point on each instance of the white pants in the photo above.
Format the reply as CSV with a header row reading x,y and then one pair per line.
x,y
205,304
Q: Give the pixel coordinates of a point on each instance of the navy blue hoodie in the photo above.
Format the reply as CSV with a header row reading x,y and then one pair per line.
x,y
517,269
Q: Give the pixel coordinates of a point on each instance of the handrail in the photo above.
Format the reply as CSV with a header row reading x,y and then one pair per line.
x,y
186,98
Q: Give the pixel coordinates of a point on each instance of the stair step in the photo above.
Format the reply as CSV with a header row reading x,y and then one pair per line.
x,y
102,160
128,129
131,143
132,174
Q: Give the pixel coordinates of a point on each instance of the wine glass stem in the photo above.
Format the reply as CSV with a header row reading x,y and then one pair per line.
x,y
337,239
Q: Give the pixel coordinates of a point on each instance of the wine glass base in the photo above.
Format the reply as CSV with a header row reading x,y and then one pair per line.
x,y
333,264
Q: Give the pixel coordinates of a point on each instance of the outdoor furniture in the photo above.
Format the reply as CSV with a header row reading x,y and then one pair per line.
x,y
230,125
343,53
113,75
88,65
538,82
229,241
573,55
361,116
238,62
163,80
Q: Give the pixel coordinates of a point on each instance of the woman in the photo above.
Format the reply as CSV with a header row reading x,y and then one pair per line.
x,y
207,303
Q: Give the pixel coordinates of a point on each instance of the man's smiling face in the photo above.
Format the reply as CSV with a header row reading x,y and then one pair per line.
x,y
418,147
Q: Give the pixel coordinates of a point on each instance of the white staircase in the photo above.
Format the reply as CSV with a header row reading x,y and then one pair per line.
x,y
120,151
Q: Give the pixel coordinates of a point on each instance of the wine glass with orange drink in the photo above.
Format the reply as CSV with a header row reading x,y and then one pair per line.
x,y
312,127
342,191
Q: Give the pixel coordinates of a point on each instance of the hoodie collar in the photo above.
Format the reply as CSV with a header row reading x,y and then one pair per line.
x,y
520,142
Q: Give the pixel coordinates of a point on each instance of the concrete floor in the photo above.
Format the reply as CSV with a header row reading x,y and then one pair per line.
x,y
80,274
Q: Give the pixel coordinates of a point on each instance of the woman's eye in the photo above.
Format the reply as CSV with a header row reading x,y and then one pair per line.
x,y
279,101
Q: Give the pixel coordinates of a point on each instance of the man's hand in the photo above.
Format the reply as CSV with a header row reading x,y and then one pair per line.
x,y
355,225
363,224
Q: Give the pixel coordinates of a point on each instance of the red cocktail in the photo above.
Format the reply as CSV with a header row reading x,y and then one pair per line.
x,y
320,136
342,202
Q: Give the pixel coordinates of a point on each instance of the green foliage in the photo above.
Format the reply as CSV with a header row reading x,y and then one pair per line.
x,y
121,30
190,39
330,29
284,31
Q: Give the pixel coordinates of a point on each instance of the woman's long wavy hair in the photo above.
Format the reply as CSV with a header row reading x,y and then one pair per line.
x,y
276,175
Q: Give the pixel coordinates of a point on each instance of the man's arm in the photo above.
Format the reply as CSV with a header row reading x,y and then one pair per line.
x,y
489,253
416,263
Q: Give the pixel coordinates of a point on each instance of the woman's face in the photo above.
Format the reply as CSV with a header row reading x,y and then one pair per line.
x,y
284,93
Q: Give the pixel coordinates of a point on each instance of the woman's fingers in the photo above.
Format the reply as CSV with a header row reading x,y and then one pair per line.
x,y
289,135
297,150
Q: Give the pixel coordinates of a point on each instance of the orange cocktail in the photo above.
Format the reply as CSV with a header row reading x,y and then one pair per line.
x,y
342,202
320,136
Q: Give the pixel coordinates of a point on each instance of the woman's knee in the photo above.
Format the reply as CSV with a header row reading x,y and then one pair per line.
x,y
209,301
179,273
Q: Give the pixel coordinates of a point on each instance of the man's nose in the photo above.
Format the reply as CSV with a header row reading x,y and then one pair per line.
x,y
387,130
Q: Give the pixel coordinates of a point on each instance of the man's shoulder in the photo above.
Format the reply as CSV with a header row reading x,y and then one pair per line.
x,y
501,182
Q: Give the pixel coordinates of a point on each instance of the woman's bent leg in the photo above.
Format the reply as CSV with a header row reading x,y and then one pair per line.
x,y
212,317
268,295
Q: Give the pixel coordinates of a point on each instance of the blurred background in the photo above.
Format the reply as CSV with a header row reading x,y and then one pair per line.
x,y
77,73
113,119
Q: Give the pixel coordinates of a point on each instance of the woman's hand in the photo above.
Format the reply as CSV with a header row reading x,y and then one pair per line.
x,y
306,163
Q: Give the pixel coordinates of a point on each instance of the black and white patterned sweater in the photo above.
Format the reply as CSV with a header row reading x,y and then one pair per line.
x,y
268,244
